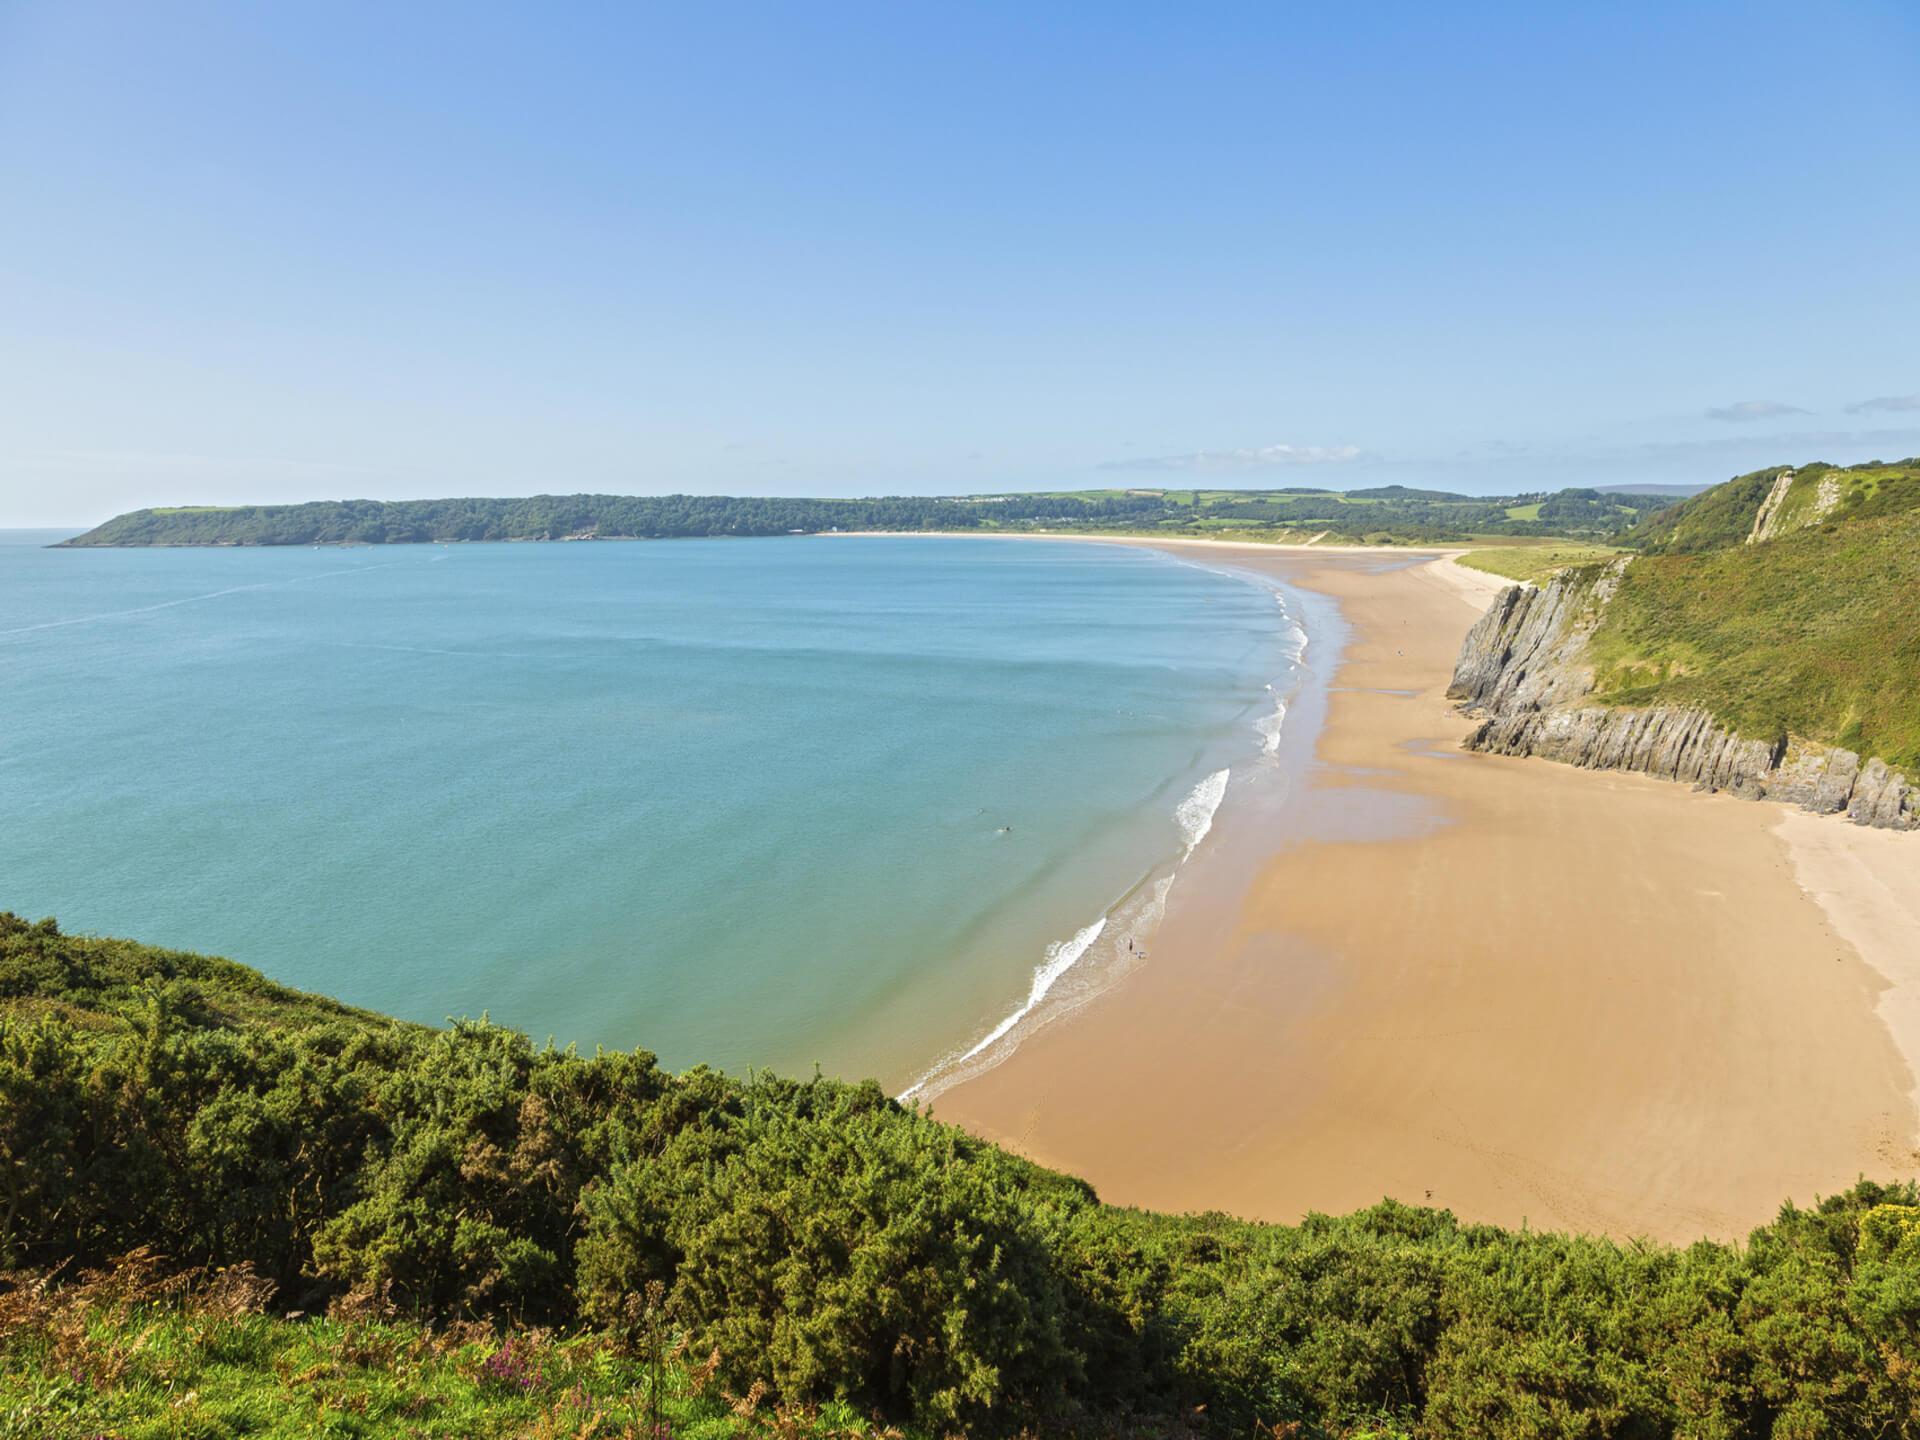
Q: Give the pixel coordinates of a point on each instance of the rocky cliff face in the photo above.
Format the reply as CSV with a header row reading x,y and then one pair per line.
x,y
1522,669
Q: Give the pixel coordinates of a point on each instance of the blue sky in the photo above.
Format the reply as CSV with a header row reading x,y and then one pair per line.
x,y
300,250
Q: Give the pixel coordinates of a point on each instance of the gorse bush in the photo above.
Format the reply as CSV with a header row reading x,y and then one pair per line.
x,y
825,1244
803,1232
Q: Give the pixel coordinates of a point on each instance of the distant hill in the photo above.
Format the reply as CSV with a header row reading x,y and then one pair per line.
x,y
563,517
1678,491
1403,492
1384,514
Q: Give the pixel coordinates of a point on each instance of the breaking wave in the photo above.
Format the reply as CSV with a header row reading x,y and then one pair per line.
x,y
1195,813
1073,970
1060,957
1125,927
1270,726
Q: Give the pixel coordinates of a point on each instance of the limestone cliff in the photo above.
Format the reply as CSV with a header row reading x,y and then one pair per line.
x,y
1523,670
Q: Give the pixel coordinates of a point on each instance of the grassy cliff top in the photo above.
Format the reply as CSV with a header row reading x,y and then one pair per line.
x,y
1536,563
1815,634
1786,602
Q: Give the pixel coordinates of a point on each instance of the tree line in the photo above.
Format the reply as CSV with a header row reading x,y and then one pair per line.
x,y
1390,512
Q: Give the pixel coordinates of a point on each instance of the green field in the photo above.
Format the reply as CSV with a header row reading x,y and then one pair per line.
x,y
1534,563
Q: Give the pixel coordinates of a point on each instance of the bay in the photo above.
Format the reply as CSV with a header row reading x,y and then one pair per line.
x,y
741,802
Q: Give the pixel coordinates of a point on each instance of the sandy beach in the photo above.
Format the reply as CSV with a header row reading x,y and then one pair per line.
x,y
1528,993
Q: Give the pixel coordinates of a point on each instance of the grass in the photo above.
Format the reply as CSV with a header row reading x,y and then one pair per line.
x,y
1534,563
137,1354
1724,516
1815,634
1712,520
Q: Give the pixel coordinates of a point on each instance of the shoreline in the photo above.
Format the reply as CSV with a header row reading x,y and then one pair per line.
x,y
1150,542
1076,970
1116,537
1376,988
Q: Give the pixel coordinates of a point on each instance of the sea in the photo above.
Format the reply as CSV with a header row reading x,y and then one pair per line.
x,y
867,804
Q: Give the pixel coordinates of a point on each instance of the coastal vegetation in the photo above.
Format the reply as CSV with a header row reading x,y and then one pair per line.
x,y
144,1349
230,1208
1765,642
1812,631
1385,514
1771,503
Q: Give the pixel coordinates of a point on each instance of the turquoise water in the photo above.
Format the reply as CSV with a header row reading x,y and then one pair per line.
x,y
743,802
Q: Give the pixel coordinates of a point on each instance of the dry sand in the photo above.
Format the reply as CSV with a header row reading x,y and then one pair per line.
x,y
1522,991
1868,882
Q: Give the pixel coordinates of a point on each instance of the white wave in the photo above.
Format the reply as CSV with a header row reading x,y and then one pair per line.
x,y
1270,726
1134,920
1195,813
1131,921
1060,957
1296,633
1127,928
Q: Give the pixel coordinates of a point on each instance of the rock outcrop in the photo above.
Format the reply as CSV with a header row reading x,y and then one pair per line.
x,y
1523,670
1768,518
1525,653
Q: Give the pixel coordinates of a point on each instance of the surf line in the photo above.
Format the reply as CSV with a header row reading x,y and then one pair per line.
x,y
1194,815
1294,648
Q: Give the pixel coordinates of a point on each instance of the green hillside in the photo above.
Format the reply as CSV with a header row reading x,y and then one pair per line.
x,y
1390,513
1811,494
456,1233
1814,632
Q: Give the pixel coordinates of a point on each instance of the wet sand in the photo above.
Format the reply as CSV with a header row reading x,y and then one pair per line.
x,y
1525,992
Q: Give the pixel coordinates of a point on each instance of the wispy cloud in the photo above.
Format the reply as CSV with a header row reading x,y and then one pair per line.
x,y
1883,403
1549,466
1753,410
1264,457
1799,447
